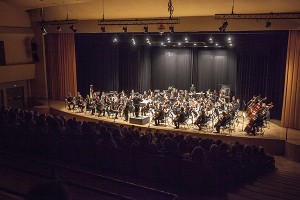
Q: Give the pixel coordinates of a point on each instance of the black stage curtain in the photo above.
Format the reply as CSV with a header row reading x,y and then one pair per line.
x,y
134,67
97,63
171,67
213,68
261,67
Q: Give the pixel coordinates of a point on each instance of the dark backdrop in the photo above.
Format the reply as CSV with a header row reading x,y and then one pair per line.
x,y
261,60
256,65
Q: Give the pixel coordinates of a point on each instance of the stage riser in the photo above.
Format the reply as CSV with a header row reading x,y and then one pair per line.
x,y
139,120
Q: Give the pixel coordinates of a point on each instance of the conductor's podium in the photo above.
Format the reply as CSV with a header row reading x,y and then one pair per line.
x,y
140,120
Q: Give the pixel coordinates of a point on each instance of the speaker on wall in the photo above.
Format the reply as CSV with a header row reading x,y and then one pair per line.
x,y
34,51
2,54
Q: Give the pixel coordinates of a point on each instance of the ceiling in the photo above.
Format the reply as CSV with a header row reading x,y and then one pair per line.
x,y
93,9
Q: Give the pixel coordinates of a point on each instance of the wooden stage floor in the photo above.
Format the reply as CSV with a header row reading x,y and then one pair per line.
x,y
273,139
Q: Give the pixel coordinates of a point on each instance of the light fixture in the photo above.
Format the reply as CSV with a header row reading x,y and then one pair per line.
x,y
171,29
44,30
217,44
162,44
229,39
161,29
72,27
124,29
58,28
224,26
179,43
133,41
145,29
195,44
268,24
103,30
230,44
115,40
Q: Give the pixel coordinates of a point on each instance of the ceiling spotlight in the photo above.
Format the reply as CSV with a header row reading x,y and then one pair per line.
x,y
195,44
224,26
229,39
268,24
162,44
161,29
230,44
145,29
115,40
171,29
73,29
124,29
179,43
44,30
217,44
103,30
58,28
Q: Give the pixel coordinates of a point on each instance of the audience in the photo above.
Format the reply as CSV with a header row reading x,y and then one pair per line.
x,y
226,161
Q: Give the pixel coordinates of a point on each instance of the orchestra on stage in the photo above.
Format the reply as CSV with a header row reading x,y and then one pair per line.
x,y
173,107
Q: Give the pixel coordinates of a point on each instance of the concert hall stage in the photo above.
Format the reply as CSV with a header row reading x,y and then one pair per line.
x,y
274,139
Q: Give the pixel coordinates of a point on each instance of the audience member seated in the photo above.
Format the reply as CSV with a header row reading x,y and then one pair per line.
x,y
229,164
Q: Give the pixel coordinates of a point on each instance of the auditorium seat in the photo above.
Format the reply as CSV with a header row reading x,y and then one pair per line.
x,y
124,160
144,165
196,176
168,169
105,158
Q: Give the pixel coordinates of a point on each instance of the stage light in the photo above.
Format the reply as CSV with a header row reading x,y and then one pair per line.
x,y
44,30
115,40
162,44
179,43
217,44
168,40
268,24
58,28
73,29
161,29
145,29
229,39
231,44
224,26
103,30
171,29
124,29
195,44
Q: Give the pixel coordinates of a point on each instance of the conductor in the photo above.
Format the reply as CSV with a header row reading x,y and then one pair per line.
x,y
136,103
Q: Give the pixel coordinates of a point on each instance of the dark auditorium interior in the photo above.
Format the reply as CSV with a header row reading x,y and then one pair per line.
x,y
83,84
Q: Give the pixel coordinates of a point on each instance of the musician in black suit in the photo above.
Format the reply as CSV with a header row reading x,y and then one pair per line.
x,y
70,101
136,102
192,89
179,118
79,101
126,109
159,115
